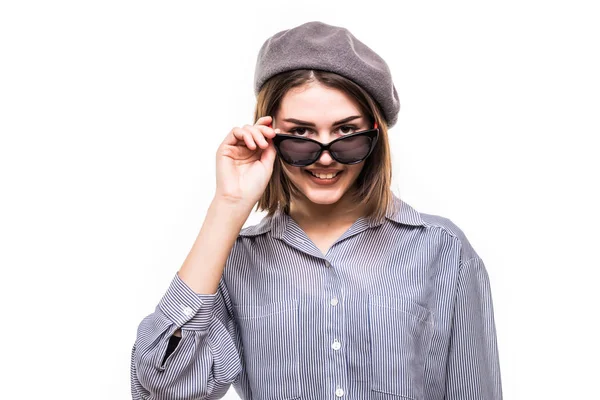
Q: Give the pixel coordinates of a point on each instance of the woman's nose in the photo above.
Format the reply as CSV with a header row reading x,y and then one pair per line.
x,y
325,158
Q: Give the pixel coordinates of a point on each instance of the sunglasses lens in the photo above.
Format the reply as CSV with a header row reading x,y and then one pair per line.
x,y
298,152
352,149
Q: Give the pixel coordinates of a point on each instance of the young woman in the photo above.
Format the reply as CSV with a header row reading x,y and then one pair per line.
x,y
343,290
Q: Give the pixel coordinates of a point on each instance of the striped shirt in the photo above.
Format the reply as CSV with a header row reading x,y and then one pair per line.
x,y
399,308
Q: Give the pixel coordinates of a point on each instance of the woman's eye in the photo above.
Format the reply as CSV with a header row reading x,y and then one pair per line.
x,y
298,131
346,129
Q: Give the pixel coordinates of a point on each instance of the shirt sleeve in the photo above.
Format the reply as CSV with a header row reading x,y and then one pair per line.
x,y
206,360
473,370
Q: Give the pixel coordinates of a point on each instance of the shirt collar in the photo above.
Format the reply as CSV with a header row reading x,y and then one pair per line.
x,y
400,212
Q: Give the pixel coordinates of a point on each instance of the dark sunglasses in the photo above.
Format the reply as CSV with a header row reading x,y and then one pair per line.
x,y
349,149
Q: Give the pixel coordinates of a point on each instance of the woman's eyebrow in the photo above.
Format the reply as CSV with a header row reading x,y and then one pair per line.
x,y
341,121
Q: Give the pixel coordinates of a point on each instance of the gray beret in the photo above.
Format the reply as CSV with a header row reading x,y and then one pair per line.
x,y
319,46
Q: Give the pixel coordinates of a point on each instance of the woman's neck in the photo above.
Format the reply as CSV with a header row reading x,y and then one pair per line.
x,y
312,216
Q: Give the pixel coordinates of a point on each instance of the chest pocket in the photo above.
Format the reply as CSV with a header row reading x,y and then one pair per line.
x,y
270,338
401,332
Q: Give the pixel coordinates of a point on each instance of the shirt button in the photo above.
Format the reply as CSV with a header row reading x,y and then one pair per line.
x,y
188,311
327,264
334,301
336,345
339,392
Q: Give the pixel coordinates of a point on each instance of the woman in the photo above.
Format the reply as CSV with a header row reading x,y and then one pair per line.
x,y
343,289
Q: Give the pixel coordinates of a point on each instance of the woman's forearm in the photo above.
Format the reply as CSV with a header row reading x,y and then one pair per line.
x,y
204,265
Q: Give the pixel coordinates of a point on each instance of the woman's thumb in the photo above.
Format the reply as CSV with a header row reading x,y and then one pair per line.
x,y
268,156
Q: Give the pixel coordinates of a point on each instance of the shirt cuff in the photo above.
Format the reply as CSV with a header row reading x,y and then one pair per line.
x,y
185,308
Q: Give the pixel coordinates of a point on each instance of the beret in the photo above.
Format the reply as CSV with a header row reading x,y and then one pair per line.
x,y
319,46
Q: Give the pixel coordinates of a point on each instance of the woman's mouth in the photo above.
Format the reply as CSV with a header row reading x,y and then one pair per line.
x,y
325,179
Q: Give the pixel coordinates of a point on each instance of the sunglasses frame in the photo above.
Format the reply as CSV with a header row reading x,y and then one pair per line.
x,y
372,133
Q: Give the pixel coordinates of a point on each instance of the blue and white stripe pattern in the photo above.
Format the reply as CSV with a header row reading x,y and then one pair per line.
x,y
398,309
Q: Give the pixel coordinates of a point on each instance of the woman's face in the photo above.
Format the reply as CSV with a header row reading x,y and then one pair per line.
x,y
323,114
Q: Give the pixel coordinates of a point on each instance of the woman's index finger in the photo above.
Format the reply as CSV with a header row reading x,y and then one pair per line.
x,y
265,120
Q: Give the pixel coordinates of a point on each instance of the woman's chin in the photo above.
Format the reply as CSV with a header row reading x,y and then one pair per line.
x,y
323,196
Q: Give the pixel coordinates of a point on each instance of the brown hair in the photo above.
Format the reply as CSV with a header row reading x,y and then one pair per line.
x,y
372,187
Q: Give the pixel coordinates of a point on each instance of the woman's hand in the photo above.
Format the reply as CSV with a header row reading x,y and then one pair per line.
x,y
245,162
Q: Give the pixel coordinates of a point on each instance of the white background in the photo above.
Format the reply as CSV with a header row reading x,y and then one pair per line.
x,y
111,113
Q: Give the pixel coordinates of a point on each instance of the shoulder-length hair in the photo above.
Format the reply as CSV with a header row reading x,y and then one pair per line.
x,y
372,187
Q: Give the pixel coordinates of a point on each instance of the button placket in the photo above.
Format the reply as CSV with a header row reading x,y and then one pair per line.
x,y
333,303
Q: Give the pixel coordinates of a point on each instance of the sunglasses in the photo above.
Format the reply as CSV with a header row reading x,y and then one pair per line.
x,y
300,151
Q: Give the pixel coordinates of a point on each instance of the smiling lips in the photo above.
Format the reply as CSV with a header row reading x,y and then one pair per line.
x,y
324,174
